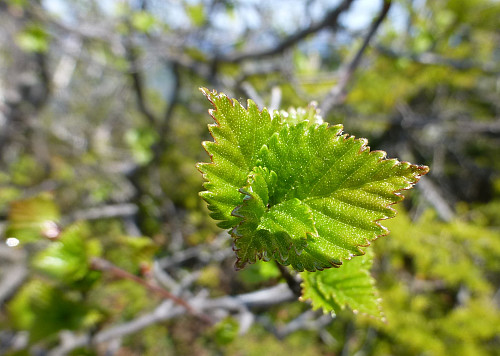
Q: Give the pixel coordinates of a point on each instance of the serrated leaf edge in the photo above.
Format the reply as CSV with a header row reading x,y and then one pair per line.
x,y
376,295
421,169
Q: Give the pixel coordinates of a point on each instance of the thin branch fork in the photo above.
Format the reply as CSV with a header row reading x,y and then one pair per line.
x,y
106,266
330,21
338,93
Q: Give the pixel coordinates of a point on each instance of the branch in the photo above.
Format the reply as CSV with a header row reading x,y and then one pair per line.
x,y
293,282
14,271
172,101
137,83
337,95
330,21
166,310
309,320
106,266
432,194
428,58
103,212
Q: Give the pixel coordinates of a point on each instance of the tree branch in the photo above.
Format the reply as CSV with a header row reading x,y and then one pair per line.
x,y
428,58
330,21
106,266
292,281
262,298
137,83
337,95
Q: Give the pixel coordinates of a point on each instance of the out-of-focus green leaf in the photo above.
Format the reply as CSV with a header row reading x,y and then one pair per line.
x,y
43,310
259,272
33,218
196,14
143,21
226,331
140,141
130,252
33,38
67,259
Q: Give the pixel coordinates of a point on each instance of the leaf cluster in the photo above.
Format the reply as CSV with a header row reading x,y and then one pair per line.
x,y
294,189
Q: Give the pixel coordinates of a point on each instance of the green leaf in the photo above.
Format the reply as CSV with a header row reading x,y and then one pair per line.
x,y
239,134
225,331
143,21
196,14
33,218
350,285
67,259
295,190
44,310
33,38
269,231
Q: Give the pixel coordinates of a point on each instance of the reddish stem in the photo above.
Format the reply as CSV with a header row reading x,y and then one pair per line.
x,y
103,265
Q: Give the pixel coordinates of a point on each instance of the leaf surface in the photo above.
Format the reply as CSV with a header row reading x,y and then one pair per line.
x,y
350,285
297,190
238,134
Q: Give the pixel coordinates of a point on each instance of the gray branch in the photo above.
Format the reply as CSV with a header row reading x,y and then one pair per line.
x,y
337,95
168,310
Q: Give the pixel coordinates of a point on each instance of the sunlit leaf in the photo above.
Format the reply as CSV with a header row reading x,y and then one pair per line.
x,y
295,189
239,135
350,285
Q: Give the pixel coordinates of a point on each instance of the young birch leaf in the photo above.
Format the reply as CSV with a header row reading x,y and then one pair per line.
x,y
238,136
347,188
350,285
266,231
295,190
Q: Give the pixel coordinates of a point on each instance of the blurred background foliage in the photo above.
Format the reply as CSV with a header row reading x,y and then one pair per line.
x,y
100,128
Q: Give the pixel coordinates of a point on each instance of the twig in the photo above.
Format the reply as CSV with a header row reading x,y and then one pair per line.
x,y
172,101
308,320
434,59
262,298
103,212
14,275
275,99
215,251
252,93
330,21
292,282
137,83
432,194
337,95
106,266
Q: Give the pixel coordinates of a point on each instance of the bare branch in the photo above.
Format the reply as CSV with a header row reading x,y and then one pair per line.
x,y
330,21
309,320
137,83
103,212
14,273
106,266
262,298
292,281
428,58
252,93
337,95
172,101
432,194
275,98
